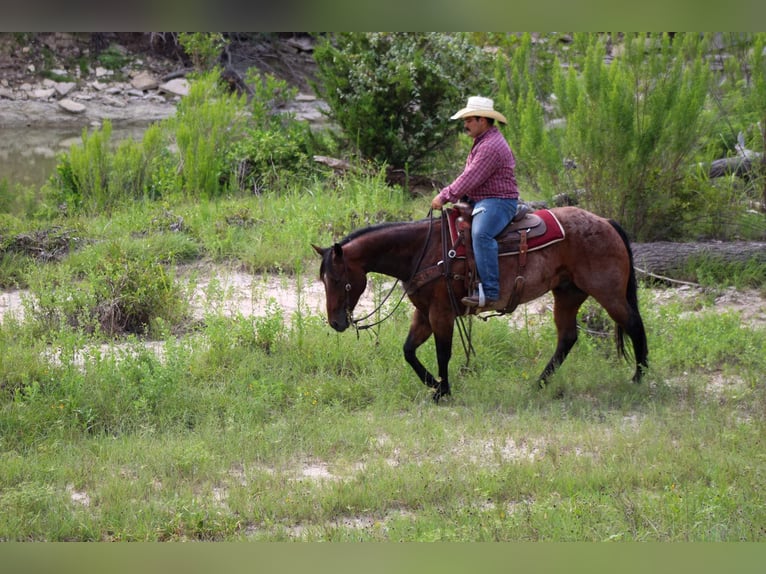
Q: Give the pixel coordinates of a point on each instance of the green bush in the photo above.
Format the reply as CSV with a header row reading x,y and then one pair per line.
x,y
275,146
524,75
203,48
633,125
99,175
115,288
393,93
207,124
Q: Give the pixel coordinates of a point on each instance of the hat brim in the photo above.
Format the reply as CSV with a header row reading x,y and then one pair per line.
x,y
470,112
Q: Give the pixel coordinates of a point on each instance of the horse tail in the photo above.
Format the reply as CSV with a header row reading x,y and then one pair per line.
x,y
635,324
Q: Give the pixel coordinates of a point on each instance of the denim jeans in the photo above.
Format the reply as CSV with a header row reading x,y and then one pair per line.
x,y
490,216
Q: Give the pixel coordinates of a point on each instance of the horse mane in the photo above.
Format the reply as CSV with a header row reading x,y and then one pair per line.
x,y
356,234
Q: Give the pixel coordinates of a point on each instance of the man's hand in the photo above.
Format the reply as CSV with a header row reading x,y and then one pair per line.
x,y
437,202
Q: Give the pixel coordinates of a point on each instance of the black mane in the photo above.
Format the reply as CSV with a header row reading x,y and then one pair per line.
x,y
377,227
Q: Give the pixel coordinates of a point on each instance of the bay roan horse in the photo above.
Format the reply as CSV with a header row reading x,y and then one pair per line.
x,y
593,258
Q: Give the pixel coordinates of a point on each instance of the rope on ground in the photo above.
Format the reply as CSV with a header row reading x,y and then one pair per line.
x,y
668,279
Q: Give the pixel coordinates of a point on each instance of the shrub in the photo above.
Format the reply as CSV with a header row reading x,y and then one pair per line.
x,y
208,122
99,176
275,146
393,93
633,125
116,289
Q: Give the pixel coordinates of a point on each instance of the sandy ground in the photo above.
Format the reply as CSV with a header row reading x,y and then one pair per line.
x,y
232,292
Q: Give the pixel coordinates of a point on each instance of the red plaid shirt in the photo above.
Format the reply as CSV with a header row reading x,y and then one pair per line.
x,y
489,171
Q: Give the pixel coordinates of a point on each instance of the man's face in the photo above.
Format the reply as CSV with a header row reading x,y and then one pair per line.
x,y
474,126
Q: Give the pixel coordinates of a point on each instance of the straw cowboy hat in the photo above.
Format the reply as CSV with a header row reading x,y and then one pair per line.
x,y
479,106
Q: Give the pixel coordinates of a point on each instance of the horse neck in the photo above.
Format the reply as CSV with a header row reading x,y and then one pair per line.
x,y
394,250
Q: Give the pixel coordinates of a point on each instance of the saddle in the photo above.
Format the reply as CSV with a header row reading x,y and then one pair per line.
x,y
509,241
527,231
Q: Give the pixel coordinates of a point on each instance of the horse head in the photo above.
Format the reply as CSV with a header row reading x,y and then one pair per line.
x,y
344,282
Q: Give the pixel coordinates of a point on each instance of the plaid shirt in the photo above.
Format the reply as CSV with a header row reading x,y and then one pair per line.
x,y
489,171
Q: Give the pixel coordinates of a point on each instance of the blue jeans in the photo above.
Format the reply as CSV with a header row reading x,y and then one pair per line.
x,y
490,216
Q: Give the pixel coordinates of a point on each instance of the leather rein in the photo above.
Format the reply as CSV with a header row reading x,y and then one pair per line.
x,y
447,256
349,312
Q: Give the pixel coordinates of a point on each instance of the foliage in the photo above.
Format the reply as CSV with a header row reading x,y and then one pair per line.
x,y
112,58
740,93
275,146
207,123
94,177
523,75
116,288
632,127
213,145
393,93
204,48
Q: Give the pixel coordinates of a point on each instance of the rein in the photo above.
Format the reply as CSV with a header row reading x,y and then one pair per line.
x,y
447,255
355,322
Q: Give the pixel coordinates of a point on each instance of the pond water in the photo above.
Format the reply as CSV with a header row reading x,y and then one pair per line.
x,y
28,154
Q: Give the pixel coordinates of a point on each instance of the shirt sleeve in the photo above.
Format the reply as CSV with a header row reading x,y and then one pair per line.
x,y
477,170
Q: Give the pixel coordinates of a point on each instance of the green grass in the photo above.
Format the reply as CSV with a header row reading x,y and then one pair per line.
x,y
256,429
275,427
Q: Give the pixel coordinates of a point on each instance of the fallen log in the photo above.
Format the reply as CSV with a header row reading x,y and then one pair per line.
x,y
675,260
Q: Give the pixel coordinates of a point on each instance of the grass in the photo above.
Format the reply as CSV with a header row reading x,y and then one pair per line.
x,y
244,430
227,426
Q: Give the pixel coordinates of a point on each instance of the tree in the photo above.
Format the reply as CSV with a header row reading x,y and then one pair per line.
x,y
393,93
633,124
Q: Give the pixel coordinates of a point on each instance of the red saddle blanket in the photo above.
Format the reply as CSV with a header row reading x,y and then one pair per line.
x,y
508,240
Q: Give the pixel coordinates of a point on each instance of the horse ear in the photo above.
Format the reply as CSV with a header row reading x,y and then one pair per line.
x,y
319,250
338,250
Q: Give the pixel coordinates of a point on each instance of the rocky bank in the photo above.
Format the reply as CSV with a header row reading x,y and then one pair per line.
x,y
46,82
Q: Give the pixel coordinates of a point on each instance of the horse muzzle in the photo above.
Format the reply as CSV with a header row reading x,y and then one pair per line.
x,y
339,324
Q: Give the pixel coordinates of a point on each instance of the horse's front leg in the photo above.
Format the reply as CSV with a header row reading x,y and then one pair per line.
x,y
420,331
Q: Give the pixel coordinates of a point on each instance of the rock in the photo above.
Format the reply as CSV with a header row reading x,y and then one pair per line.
x,y
63,88
112,101
71,106
301,44
6,93
177,87
144,81
43,93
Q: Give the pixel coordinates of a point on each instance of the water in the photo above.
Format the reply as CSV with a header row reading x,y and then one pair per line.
x,y
28,154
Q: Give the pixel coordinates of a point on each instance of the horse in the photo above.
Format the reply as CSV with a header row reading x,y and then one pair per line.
x,y
591,256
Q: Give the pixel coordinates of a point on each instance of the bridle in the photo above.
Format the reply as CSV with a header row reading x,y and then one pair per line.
x,y
347,287
465,333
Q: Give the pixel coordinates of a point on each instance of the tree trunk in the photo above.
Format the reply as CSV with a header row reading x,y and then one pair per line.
x,y
672,259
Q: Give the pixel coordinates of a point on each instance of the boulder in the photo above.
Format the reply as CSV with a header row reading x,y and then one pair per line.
x,y
63,88
43,93
71,106
144,81
177,87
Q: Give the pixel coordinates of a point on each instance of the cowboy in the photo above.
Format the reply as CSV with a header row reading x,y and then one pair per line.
x,y
488,182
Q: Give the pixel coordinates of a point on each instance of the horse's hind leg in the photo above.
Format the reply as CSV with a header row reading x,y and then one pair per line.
x,y
625,313
420,331
567,300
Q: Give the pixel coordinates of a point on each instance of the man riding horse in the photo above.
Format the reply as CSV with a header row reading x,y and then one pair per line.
x,y
488,182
